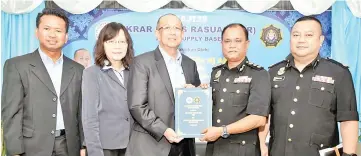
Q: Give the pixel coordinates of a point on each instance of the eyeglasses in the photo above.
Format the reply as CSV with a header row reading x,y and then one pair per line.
x,y
169,28
115,42
232,41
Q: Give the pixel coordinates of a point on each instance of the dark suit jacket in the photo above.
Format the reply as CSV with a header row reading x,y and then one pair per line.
x,y
106,118
29,101
151,103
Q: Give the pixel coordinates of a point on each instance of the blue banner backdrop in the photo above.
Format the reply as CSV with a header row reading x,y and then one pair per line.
x,y
269,33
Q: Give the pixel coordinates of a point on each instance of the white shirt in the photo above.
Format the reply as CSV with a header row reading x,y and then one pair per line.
x,y
174,68
55,71
119,74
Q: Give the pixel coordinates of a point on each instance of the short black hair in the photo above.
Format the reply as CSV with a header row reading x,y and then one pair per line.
x,y
54,12
234,25
308,18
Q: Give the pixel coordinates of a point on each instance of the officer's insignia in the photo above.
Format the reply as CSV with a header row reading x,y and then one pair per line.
x,y
241,69
254,66
218,74
216,77
281,71
242,79
324,79
197,100
279,78
271,36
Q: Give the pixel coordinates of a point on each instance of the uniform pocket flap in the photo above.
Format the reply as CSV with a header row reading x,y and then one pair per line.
x,y
323,86
320,140
276,85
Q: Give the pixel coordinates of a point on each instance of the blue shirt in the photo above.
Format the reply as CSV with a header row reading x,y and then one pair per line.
x,y
55,71
174,68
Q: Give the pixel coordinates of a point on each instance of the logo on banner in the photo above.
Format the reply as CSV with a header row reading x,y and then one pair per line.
x,y
98,28
271,36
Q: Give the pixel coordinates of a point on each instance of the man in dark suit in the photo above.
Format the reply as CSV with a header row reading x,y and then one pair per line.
x,y
152,79
41,100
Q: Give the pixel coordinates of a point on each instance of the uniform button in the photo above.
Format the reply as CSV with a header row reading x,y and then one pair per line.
x,y
227,80
276,86
321,145
218,121
224,89
291,125
289,140
322,88
52,132
237,91
214,89
127,119
243,142
298,87
222,100
54,115
295,99
54,99
293,112
301,75
220,110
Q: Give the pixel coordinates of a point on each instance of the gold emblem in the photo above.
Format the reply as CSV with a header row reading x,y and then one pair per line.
x,y
197,100
271,36
281,71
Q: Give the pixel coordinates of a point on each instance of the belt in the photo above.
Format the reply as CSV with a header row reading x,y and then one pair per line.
x,y
59,133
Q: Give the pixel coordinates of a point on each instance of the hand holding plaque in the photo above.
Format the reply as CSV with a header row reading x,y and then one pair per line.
x,y
193,111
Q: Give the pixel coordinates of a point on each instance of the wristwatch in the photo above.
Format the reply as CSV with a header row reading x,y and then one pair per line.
x,y
225,134
345,154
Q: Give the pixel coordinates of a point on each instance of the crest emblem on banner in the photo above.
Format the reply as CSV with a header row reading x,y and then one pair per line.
x,y
271,36
99,27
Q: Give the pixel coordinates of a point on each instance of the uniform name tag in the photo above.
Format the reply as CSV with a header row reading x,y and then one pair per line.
x,y
242,79
278,78
324,79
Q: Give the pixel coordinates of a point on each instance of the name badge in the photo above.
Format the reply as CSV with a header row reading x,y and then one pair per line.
x,y
279,78
324,79
242,79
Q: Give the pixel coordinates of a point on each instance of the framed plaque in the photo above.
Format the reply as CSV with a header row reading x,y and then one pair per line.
x,y
193,111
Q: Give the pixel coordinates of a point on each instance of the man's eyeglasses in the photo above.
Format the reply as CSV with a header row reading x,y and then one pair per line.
x,y
168,28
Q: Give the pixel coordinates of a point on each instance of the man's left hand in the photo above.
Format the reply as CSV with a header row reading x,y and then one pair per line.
x,y
203,86
188,86
211,133
83,152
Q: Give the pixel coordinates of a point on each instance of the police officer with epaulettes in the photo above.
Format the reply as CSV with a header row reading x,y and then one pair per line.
x,y
310,95
241,98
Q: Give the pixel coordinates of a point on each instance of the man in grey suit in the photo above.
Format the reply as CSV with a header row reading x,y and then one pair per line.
x,y
152,79
41,100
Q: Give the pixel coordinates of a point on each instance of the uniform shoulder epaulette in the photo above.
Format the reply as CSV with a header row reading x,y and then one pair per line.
x,y
336,62
277,63
218,66
254,66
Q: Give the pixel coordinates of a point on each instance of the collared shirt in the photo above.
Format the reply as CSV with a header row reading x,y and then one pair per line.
x,y
174,68
119,74
306,106
55,71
